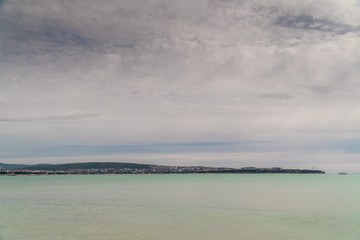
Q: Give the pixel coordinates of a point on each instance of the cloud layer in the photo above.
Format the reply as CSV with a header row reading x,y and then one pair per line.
x,y
181,72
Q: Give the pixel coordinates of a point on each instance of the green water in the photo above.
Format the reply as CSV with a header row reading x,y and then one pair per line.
x,y
166,207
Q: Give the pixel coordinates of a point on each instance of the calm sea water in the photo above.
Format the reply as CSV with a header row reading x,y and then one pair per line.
x,y
172,207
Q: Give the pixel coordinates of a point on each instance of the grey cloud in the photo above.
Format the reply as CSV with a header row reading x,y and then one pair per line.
x,y
1,3
321,89
179,71
49,118
284,96
37,41
309,22
71,117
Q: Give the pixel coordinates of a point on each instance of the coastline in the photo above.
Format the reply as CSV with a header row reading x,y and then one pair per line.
x,y
156,170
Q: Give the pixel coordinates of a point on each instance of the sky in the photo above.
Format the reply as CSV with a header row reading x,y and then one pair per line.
x,y
207,82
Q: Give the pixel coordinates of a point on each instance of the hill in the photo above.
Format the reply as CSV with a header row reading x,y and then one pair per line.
x,y
88,165
14,166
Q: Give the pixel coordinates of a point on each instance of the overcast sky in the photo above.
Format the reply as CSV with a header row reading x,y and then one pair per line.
x,y
205,82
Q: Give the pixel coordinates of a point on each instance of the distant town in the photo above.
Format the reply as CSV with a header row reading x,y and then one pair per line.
x,y
131,168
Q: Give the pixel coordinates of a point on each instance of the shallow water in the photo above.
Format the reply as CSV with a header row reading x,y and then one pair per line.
x,y
166,207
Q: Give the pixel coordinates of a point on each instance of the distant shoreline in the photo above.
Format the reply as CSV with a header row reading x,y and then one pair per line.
x,y
92,168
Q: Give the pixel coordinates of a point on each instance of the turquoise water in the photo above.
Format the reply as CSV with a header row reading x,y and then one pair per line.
x,y
166,207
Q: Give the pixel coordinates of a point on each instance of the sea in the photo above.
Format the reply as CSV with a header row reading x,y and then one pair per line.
x,y
180,207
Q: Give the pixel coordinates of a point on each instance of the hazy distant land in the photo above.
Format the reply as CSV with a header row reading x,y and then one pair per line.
x,y
134,168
